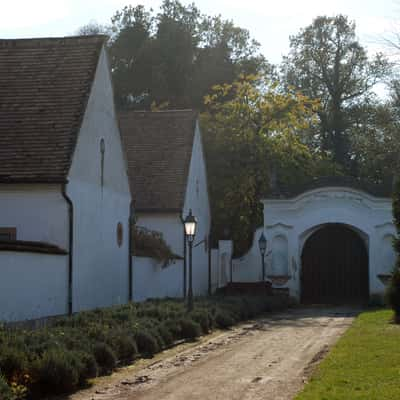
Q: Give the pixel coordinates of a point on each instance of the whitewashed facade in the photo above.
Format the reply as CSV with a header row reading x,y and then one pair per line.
x,y
86,215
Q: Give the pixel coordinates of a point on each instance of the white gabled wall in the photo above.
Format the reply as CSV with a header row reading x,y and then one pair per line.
x,y
38,212
100,266
197,199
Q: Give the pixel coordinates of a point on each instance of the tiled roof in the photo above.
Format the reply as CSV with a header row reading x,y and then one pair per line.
x,y
44,89
159,148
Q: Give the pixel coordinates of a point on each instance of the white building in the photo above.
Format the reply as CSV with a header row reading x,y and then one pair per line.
x,y
64,190
329,242
168,176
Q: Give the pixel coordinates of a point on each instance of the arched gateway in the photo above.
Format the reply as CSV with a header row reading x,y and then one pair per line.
x,y
328,242
334,264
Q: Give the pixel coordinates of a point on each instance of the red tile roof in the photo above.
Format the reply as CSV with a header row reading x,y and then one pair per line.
x,y
159,148
44,88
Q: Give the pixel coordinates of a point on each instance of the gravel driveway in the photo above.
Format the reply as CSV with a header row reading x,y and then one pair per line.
x,y
269,358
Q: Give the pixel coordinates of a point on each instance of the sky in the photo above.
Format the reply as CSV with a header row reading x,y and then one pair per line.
x,y
269,22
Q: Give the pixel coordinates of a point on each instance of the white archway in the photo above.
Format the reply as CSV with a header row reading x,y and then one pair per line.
x,y
293,217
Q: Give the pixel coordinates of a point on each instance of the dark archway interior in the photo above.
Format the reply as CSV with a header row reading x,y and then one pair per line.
x,y
334,267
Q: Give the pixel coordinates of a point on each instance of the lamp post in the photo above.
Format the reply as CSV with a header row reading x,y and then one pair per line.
x,y
190,232
262,244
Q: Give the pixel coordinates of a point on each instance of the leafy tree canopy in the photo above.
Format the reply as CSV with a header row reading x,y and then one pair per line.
x,y
176,55
327,62
250,128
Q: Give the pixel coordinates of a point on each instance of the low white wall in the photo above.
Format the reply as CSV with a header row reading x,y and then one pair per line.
x,y
32,285
152,280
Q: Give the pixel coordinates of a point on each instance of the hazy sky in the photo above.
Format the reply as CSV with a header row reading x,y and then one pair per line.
x,y
269,22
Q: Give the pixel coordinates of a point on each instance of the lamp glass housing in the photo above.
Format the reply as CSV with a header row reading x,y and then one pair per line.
x,y
190,226
262,243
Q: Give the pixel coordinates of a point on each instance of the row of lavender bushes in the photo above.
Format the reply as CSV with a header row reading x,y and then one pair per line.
x,y
66,355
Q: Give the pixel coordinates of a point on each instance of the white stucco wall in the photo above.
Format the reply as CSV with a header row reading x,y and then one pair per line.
x,y
152,280
100,267
32,285
296,219
38,212
197,199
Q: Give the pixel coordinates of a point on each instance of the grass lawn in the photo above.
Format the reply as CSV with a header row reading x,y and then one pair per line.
x,y
364,364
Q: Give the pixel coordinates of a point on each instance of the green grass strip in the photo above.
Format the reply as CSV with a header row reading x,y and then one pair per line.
x,y
364,364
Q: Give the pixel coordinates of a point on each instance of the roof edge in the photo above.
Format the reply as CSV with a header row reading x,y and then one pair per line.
x,y
383,190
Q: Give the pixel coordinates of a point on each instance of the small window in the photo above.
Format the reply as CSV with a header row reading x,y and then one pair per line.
x,y
8,234
120,234
102,151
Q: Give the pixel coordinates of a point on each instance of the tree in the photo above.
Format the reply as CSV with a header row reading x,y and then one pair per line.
x,y
251,127
175,56
93,28
326,62
375,141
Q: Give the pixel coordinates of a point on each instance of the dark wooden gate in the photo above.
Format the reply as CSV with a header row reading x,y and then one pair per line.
x,y
334,267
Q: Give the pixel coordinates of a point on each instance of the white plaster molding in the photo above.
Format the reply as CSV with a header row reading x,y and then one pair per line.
x,y
279,225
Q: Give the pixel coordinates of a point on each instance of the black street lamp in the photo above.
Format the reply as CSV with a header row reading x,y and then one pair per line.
x,y
262,244
190,232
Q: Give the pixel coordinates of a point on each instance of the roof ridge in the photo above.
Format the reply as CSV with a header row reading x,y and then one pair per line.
x,y
50,41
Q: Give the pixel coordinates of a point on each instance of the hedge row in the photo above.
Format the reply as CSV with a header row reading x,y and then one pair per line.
x,y
63,357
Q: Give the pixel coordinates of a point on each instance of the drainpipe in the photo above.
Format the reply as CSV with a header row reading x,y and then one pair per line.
x,y
131,227
209,264
70,245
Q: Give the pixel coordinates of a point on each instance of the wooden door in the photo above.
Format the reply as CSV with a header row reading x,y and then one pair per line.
x,y
334,267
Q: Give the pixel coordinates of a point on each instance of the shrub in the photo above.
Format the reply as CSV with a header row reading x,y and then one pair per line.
x,y
146,343
224,319
12,361
124,346
58,371
203,319
90,368
166,334
105,357
5,390
393,294
190,329
393,291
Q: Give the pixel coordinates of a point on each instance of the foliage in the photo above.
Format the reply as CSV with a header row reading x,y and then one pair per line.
x,y
5,390
375,141
61,358
251,134
105,357
174,56
147,343
57,371
224,320
393,290
364,364
189,328
147,243
326,62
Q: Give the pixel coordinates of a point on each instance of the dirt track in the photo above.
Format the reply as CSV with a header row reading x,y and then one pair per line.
x,y
269,358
